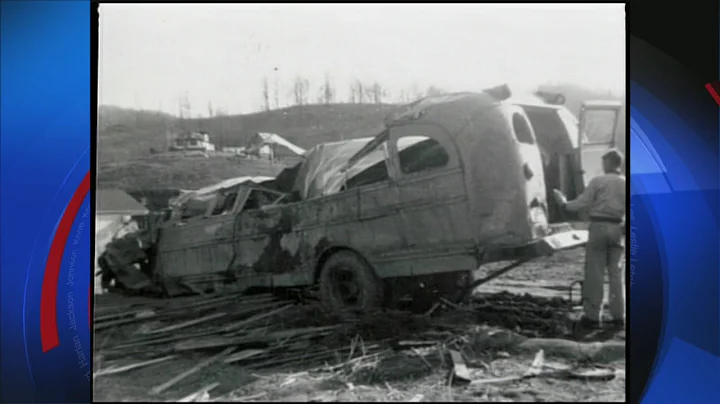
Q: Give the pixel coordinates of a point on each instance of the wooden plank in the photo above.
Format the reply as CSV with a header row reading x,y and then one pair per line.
x,y
263,340
248,398
416,344
163,339
460,370
127,321
187,323
260,316
242,355
122,369
116,316
200,305
153,339
159,389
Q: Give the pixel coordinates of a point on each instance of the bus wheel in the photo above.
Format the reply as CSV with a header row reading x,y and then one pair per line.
x,y
349,285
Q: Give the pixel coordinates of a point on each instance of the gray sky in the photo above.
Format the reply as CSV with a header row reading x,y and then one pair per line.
x,y
152,54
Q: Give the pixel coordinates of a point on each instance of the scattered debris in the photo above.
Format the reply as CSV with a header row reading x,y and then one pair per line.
x,y
537,364
606,351
260,316
264,332
250,398
198,395
159,389
534,370
113,370
188,323
594,374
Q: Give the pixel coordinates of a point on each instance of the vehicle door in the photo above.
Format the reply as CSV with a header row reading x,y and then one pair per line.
x,y
259,230
598,131
198,242
377,232
433,200
556,132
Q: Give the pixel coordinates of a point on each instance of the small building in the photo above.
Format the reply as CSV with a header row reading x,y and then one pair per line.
x,y
265,152
114,218
193,141
271,146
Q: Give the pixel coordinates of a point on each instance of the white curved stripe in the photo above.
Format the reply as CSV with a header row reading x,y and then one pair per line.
x,y
644,157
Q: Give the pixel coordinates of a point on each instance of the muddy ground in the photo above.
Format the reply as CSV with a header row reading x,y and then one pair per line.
x,y
530,301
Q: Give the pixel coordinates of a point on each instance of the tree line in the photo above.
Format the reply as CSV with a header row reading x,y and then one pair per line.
x,y
303,93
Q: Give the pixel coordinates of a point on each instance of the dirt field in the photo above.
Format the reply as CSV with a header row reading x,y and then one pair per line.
x,y
497,338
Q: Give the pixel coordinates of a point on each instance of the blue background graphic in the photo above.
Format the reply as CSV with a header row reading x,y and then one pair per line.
x,y
673,240
45,145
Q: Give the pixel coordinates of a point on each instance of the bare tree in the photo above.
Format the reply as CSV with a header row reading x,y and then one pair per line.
x,y
359,92
185,110
301,89
181,108
368,93
298,89
188,107
276,94
306,91
210,110
266,94
376,93
352,99
328,91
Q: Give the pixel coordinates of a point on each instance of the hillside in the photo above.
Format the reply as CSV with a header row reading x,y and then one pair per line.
x,y
126,138
126,134
184,173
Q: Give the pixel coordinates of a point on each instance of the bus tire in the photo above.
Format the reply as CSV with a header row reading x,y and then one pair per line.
x,y
349,286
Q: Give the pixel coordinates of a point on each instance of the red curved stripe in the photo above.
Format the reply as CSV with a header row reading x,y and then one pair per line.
x,y
48,298
713,88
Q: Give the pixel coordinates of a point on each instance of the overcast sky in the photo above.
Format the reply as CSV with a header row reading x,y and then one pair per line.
x,y
150,55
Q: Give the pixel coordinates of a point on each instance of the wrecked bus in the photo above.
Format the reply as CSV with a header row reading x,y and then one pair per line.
x,y
452,183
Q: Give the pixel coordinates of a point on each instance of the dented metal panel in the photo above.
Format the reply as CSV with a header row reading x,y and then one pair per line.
x,y
433,203
195,247
378,221
199,245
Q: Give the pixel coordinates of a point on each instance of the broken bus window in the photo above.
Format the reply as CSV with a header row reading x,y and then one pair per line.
x,y
420,153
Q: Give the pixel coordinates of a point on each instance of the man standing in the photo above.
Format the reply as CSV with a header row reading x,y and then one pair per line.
x,y
604,199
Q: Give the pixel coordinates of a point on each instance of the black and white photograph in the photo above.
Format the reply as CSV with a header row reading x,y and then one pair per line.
x,y
360,202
